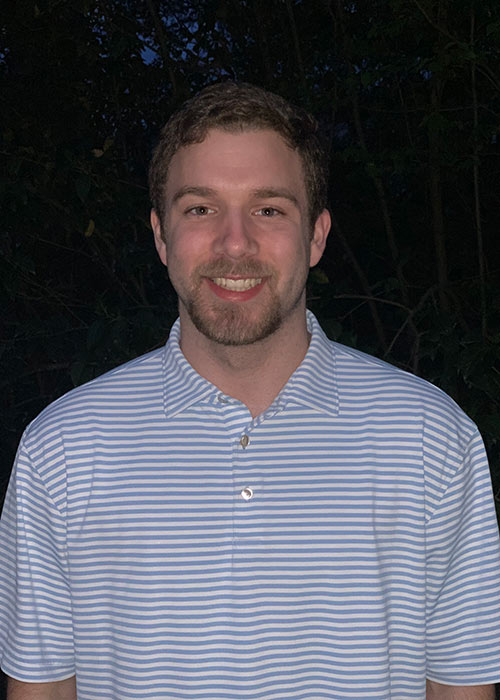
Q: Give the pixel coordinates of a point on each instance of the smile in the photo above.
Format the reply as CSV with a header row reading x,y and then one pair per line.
x,y
241,285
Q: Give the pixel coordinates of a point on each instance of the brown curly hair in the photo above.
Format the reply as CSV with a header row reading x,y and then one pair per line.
x,y
237,107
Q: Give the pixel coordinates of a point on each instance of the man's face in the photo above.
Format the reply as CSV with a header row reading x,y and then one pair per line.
x,y
237,239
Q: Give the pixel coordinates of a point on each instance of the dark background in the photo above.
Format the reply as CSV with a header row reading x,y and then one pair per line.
x,y
407,93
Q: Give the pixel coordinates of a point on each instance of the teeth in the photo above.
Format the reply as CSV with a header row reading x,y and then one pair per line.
x,y
237,285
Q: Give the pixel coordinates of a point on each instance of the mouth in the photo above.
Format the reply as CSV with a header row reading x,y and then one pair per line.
x,y
237,285
236,290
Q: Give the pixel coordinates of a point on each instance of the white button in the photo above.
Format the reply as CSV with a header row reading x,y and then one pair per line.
x,y
247,493
244,441
222,399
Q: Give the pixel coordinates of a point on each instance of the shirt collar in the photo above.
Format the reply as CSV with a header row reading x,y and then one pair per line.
x,y
183,386
313,384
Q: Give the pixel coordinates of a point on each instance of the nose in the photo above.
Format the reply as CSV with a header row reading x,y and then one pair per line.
x,y
235,238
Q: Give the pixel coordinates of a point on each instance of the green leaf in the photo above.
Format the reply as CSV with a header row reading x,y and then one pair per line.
x,y
90,228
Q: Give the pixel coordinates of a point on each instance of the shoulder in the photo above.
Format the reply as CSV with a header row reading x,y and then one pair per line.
x,y
124,389
371,384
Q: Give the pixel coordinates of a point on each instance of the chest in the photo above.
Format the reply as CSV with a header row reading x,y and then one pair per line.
x,y
332,493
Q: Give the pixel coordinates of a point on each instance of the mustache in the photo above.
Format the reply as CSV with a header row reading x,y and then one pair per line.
x,y
227,268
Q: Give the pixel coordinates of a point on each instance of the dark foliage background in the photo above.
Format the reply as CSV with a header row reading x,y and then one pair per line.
x,y
408,96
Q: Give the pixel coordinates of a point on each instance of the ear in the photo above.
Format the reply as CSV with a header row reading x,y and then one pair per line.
x,y
320,234
159,239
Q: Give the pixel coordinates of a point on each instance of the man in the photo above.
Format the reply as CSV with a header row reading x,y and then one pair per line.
x,y
251,511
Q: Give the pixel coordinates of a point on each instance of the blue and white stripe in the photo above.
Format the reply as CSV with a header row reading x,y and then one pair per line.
x,y
366,560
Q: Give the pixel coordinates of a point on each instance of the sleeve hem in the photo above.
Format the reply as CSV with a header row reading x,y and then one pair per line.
x,y
37,675
462,683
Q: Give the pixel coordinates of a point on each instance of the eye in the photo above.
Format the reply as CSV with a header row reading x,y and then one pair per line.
x,y
268,212
200,210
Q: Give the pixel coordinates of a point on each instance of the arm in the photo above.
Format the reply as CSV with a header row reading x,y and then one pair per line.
x,y
437,691
34,570
58,690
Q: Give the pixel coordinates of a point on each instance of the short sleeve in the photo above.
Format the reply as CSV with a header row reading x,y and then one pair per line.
x,y
36,636
463,578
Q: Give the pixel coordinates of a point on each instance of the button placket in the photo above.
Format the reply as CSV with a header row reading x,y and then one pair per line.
x,y
247,492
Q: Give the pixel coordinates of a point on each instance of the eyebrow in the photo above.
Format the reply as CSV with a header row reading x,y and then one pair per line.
x,y
192,189
279,193
261,193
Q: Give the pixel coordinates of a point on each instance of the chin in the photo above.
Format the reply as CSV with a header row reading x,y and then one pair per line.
x,y
234,327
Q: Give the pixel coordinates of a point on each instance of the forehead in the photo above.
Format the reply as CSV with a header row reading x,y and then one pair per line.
x,y
256,159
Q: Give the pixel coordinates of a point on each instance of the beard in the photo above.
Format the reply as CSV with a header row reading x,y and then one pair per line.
x,y
234,324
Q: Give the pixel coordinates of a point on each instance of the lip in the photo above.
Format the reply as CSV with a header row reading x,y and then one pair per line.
x,y
232,295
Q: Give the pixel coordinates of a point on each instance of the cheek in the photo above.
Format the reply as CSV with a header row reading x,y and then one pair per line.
x,y
184,243
296,252
181,250
184,256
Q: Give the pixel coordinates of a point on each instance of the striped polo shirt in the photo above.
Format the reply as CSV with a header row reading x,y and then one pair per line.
x,y
160,543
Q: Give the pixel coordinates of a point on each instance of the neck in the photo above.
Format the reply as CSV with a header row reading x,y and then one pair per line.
x,y
254,374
